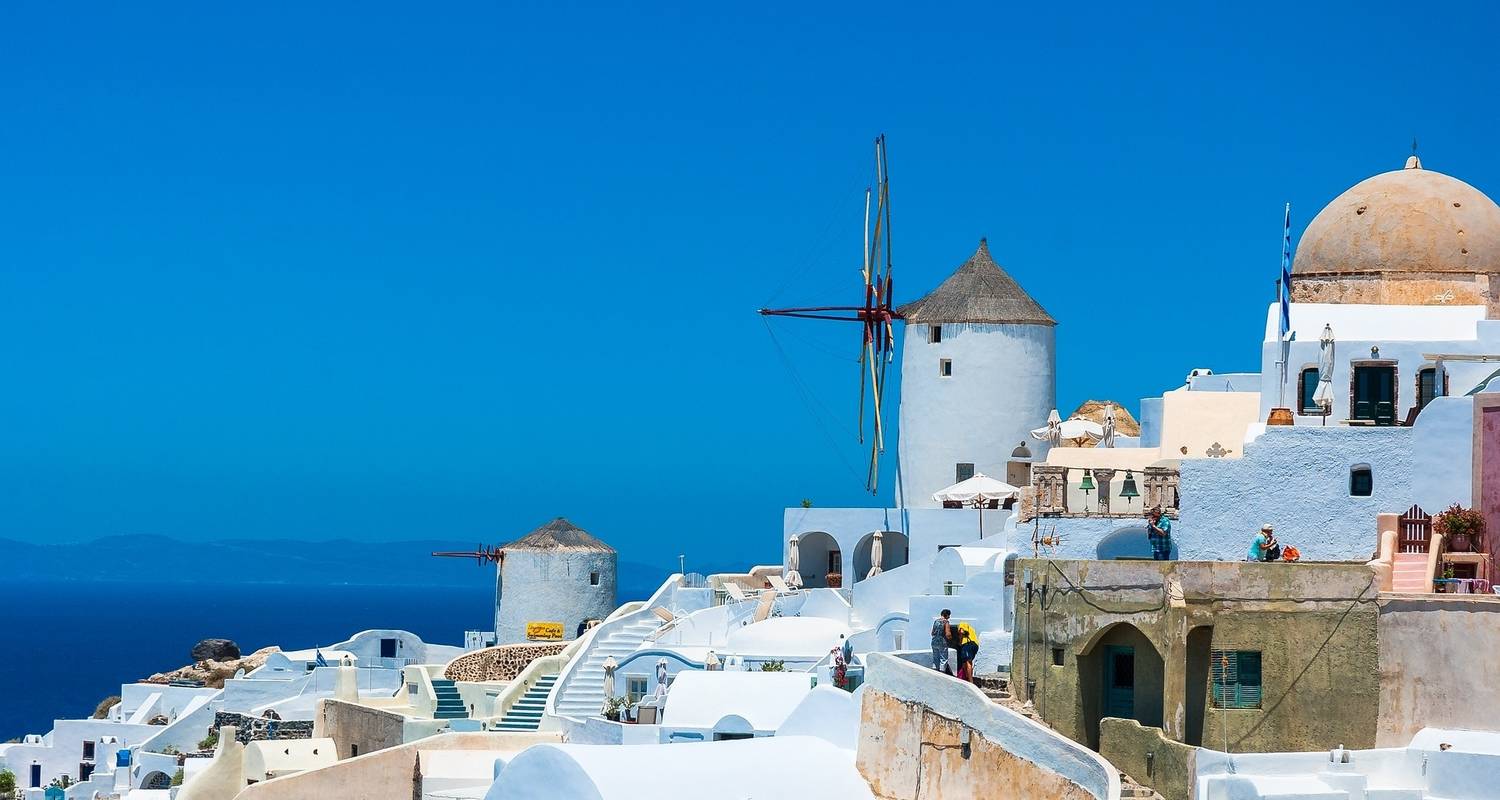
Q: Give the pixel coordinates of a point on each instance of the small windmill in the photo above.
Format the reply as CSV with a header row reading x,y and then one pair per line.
x,y
876,315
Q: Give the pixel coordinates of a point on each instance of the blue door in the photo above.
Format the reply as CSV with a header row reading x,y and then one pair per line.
x,y
1119,682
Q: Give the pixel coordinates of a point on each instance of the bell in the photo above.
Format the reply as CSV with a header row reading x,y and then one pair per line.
x,y
1088,482
1128,489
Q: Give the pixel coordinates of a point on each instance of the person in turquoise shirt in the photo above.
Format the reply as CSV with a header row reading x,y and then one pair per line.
x,y
1159,532
1261,544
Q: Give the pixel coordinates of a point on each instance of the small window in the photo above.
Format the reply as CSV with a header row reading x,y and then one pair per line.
x,y
962,472
353,750
1236,678
934,334
1426,386
1361,481
593,579
945,367
88,751
1057,656
635,688
1307,390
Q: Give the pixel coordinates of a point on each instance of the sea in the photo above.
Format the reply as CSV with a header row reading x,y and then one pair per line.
x,y
68,645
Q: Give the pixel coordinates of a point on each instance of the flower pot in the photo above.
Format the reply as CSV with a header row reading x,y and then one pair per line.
x,y
835,580
1460,543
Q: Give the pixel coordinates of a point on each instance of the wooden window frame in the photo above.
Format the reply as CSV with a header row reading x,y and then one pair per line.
x,y
1228,688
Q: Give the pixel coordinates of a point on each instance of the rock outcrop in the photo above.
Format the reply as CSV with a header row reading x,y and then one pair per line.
x,y
213,673
215,650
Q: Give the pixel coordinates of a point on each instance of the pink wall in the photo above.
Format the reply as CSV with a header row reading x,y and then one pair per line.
x,y
1487,467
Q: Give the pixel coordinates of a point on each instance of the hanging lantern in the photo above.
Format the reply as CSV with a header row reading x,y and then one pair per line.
x,y
1128,489
1088,482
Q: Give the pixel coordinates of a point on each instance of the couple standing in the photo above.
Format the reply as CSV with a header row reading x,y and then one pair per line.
x,y
946,635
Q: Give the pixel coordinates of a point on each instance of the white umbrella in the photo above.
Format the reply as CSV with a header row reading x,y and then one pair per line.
x,y
977,491
793,563
661,677
1323,397
1107,435
1052,434
877,554
711,661
1077,430
610,665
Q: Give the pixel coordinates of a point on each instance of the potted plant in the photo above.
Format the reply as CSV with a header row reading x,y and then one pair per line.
x,y
835,580
1462,527
614,708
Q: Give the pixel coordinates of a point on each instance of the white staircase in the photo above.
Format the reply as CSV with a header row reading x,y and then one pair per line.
x,y
1409,573
583,695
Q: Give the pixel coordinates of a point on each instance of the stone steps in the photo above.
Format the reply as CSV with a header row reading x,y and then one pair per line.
x,y
1130,789
526,713
584,695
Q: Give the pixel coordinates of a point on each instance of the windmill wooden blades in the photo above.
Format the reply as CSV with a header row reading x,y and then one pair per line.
x,y
480,554
876,315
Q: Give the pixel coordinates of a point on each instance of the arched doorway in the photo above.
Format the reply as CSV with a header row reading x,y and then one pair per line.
x,y
894,552
818,555
1120,674
156,780
1129,542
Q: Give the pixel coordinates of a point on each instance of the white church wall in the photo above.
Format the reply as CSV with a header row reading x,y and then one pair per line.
x,y
1001,387
1194,421
1442,454
1296,479
1402,334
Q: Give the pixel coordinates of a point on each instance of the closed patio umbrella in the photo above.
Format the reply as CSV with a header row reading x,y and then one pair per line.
x,y
610,665
877,554
661,677
1052,433
1323,397
794,563
1107,437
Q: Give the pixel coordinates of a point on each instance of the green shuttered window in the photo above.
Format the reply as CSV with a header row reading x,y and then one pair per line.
x,y
1236,678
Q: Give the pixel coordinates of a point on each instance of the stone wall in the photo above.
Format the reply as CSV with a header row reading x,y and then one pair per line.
x,y
914,721
1148,756
356,729
1436,664
502,663
249,729
1313,624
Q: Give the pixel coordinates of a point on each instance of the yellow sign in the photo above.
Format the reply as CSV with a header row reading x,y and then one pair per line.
x,y
544,631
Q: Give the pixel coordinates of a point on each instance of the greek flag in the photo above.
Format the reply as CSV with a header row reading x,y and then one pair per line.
x,y
1284,286
321,661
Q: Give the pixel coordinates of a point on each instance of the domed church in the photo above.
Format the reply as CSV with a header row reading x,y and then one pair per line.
x,y
1411,236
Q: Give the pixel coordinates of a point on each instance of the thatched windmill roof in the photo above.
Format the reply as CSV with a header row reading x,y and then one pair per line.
x,y
559,534
980,291
1093,410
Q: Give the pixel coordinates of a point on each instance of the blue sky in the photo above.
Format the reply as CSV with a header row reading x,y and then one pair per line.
x,y
380,271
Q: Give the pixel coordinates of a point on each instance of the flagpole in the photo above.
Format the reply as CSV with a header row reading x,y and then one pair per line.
x,y
1281,415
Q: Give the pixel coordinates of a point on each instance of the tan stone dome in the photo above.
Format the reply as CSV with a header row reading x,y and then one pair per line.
x,y
1412,221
